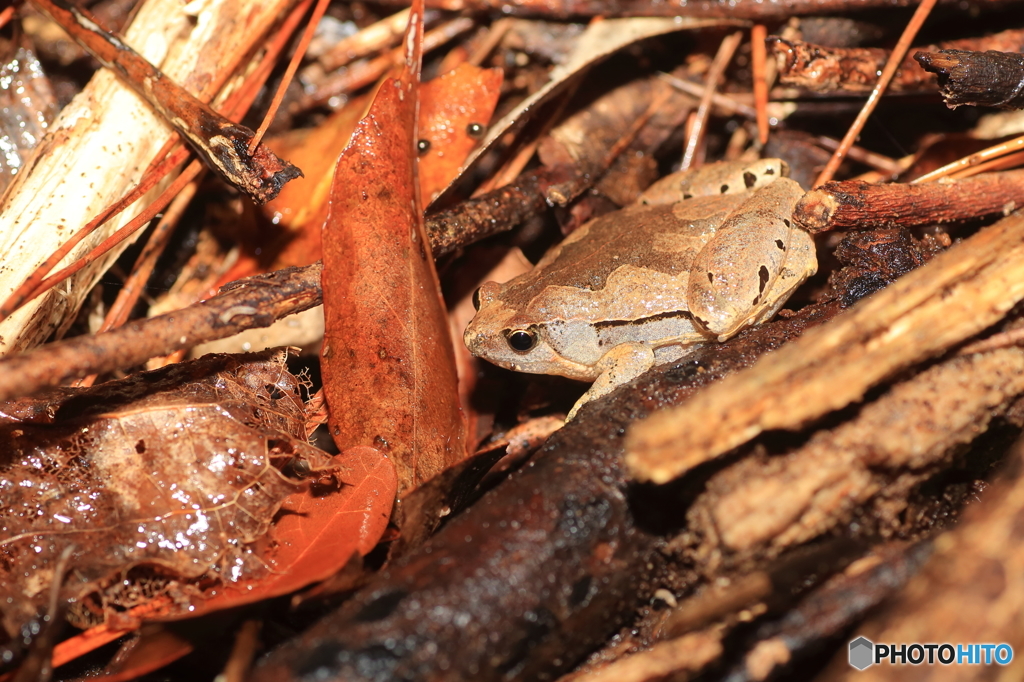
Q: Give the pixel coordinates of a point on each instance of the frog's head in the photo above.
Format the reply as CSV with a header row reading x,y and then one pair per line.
x,y
499,334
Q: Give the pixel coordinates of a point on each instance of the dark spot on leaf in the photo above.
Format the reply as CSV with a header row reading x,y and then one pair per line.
x,y
140,447
475,130
423,146
749,179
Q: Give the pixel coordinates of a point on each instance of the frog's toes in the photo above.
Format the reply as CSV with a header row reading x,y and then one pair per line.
x,y
620,365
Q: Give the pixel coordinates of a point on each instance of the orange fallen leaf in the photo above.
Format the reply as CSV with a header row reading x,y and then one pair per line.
x,y
315,535
388,365
454,112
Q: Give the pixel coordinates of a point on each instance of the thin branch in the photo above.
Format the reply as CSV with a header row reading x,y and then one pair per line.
x,y
246,304
891,66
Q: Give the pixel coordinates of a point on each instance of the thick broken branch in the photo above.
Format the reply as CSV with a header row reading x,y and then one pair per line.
x,y
895,442
818,68
223,144
731,9
852,204
985,79
968,591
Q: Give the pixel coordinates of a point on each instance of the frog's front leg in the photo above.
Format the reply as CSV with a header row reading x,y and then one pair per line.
x,y
621,364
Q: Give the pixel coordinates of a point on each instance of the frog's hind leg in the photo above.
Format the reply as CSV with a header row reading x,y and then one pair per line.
x,y
621,364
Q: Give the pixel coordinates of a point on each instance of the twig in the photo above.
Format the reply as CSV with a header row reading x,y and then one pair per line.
x,y
221,143
853,204
877,161
728,104
696,132
289,73
6,15
758,55
960,167
246,304
909,33
361,74
494,212
129,294
380,35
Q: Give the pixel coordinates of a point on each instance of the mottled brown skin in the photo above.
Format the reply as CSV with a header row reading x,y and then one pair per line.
x,y
700,257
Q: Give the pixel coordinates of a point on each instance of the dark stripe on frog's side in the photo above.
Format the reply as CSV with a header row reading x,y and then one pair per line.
x,y
655,331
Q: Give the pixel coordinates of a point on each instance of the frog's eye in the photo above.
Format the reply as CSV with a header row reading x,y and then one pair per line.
x,y
521,340
476,299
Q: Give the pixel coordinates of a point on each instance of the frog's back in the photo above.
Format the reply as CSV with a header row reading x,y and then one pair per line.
x,y
639,256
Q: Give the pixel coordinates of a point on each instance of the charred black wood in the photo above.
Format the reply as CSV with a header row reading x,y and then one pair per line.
x,y
986,79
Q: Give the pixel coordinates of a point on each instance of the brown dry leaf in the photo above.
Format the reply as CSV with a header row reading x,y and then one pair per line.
x,y
160,484
319,531
388,364
454,112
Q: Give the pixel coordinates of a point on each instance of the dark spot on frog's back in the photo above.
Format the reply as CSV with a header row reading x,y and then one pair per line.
x,y
749,179
781,244
763,275
724,188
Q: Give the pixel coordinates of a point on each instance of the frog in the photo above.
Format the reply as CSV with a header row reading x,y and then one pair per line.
x,y
700,256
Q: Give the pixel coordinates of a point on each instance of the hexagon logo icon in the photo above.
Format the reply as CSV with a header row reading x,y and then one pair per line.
x,y
862,653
